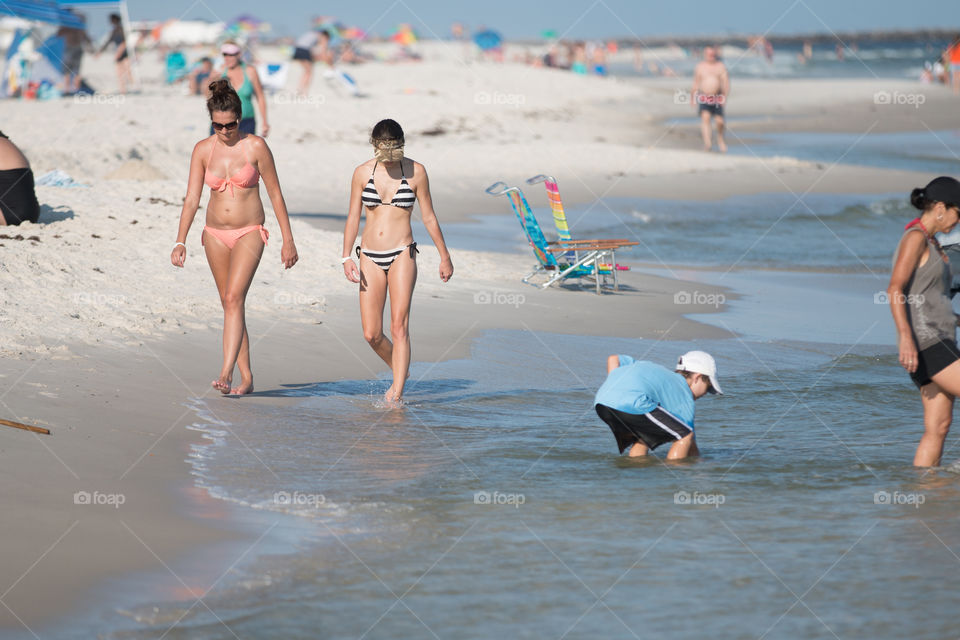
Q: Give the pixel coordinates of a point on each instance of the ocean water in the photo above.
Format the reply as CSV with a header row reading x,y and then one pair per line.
x,y
869,60
495,504
934,152
828,233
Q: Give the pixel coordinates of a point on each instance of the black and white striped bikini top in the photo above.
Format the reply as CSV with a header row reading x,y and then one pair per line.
x,y
403,198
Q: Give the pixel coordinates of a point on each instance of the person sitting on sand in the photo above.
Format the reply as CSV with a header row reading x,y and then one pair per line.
x,y
231,164
18,200
199,75
387,253
646,405
919,297
711,88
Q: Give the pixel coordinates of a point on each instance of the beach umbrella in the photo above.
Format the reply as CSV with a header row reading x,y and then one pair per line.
x,y
332,27
328,24
404,34
247,23
353,33
488,40
41,11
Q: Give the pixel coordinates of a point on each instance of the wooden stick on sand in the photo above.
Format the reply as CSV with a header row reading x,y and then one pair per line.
x,y
25,427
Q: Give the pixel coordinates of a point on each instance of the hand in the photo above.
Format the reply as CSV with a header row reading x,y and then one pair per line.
x,y
446,269
288,254
908,354
265,131
178,256
351,271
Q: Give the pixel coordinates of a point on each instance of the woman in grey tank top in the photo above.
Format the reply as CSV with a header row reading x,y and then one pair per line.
x,y
919,295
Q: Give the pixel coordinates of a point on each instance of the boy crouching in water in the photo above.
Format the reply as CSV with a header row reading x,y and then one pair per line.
x,y
646,405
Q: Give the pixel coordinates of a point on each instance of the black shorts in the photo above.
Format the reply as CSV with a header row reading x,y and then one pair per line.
x,y
18,200
653,429
933,360
302,54
715,109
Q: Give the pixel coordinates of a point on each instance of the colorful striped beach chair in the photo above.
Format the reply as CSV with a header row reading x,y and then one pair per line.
x,y
559,217
561,260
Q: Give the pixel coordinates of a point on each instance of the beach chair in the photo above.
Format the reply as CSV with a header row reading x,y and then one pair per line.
x,y
175,66
559,217
561,260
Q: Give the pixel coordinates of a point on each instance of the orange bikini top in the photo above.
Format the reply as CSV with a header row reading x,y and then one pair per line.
x,y
246,177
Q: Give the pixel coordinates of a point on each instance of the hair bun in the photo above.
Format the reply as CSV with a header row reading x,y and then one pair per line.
x,y
223,97
918,198
220,85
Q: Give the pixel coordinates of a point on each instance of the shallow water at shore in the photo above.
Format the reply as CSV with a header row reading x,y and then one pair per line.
x,y
827,233
935,152
495,503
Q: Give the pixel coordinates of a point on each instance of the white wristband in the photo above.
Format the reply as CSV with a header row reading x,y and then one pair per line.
x,y
344,260
179,244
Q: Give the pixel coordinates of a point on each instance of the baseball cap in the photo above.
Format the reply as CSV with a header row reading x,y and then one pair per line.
x,y
700,362
230,49
943,189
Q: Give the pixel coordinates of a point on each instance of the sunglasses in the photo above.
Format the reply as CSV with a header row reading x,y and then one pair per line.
x,y
229,126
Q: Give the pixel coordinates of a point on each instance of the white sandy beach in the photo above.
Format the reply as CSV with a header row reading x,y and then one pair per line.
x,y
103,341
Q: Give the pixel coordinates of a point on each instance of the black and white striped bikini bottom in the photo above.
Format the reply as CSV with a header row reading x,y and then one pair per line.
x,y
384,259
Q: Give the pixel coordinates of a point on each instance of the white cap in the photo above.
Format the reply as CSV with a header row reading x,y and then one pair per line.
x,y
700,362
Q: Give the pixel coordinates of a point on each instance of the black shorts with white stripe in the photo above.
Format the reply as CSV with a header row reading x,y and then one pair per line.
x,y
652,429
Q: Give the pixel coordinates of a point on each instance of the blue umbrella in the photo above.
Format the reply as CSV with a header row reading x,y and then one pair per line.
x,y
488,40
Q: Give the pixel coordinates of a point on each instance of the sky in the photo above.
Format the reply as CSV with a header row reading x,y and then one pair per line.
x,y
571,18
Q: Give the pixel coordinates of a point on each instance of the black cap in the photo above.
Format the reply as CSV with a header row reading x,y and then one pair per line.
x,y
943,189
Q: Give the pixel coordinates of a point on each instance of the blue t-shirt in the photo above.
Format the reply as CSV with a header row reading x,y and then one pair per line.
x,y
640,386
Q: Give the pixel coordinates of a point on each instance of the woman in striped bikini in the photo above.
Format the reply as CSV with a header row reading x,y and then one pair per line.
x,y
387,252
231,163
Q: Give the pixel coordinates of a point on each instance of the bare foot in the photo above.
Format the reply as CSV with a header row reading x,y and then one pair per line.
x,y
246,386
221,384
722,146
392,398
708,149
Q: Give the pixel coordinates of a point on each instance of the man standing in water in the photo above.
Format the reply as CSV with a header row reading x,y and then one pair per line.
x,y
711,86
646,405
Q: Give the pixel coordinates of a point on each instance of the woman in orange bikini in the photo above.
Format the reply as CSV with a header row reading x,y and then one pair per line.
x,y
231,164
